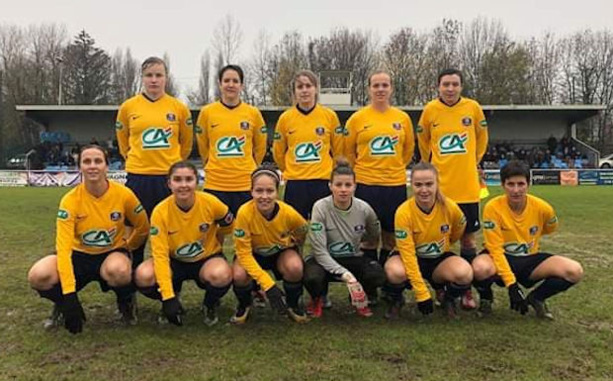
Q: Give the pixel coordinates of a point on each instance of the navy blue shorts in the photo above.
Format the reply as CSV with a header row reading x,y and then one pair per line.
x,y
384,200
182,271
149,189
427,266
522,267
302,194
86,268
471,212
233,199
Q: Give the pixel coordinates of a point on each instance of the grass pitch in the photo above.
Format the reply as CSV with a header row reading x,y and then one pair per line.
x,y
340,346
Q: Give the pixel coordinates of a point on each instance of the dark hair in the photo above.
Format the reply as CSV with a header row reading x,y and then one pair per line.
x,y
153,61
93,146
183,164
514,168
450,72
266,169
342,167
380,71
236,68
423,166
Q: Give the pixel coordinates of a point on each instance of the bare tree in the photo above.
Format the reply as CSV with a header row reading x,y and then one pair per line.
x,y
227,39
258,68
171,87
477,39
347,50
405,57
202,95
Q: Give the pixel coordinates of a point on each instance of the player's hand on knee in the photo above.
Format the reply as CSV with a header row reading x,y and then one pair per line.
x,y
426,307
173,310
74,316
275,297
517,299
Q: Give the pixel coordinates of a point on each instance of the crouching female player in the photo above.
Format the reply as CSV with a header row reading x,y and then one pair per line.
x,y
187,229
267,233
340,224
513,225
426,226
90,243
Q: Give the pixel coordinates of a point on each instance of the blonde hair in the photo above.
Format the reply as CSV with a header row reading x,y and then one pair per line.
x,y
312,77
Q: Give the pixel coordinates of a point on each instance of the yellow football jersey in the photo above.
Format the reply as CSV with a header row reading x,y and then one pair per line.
x,y
186,236
509,233
253,233
426,236
379,145
306,143
96,225
153,135
454,139
232,143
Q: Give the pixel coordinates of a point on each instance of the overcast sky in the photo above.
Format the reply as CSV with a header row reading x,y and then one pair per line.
x,y
183,28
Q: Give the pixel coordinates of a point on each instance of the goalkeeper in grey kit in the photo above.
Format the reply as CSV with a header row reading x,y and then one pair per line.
x,y
339,224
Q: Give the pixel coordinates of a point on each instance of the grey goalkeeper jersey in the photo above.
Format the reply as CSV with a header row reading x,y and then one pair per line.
x,y
336,233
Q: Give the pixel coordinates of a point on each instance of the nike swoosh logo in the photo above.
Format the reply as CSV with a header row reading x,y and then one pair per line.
x,y
173,232
367,126
214,125
435,125
80,217
291,132
134,117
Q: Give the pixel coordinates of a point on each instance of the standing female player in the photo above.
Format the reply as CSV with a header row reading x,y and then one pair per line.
x,y
187,229
379,144
306,139
231,138
426,226
267,233
512,226
452,135
340,224
154,130
90,243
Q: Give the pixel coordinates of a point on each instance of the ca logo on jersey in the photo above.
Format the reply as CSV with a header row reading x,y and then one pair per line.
x,y
430,249
156,138
341,248
98,238
308,152
231,146
383,145
190,250
517,249
453,143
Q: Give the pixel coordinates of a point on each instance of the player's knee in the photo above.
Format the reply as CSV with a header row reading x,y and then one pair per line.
x,y
240,278
394,272
144,276
42,276
463,275
220,276
118,273
482,269
574,272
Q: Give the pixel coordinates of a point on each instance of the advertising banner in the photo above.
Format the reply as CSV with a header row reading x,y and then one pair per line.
x,y
544,177
13,179
569,178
